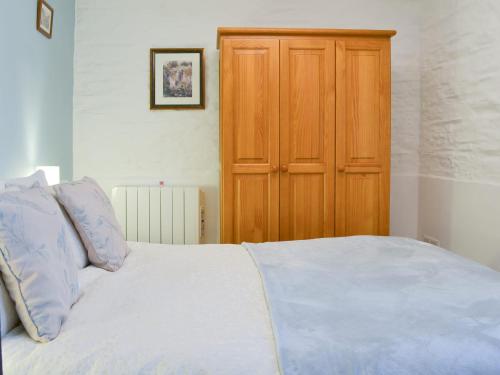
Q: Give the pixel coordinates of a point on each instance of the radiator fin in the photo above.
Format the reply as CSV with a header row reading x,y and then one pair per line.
x,y
155,215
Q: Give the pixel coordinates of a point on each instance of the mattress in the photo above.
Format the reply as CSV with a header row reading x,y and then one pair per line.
x,y
170,310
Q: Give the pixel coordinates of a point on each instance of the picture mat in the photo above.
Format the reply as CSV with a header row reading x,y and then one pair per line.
x,y
45,10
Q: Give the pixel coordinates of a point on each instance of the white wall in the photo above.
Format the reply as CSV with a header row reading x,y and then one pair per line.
x,y
460,133
464,216
118,139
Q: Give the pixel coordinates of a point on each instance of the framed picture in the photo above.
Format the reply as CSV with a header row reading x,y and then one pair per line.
x,y
177,78
44,18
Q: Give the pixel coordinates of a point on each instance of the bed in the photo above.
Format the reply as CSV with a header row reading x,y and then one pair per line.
x,y
358,305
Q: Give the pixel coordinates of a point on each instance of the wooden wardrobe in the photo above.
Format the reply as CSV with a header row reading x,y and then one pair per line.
x,y
305,139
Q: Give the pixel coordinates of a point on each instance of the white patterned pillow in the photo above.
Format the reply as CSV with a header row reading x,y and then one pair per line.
x,y
37,179
8,314
92,213
37,265
74,240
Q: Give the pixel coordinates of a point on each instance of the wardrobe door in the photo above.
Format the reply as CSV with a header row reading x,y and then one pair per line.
x,y
363,137
250,140
307,138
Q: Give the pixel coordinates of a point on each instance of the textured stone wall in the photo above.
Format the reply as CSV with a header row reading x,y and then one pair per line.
x,y
460,135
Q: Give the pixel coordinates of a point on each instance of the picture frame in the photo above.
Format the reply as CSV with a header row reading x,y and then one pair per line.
x,y
177,79
44,18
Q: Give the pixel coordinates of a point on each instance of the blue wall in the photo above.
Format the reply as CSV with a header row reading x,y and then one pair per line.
x,y
36,89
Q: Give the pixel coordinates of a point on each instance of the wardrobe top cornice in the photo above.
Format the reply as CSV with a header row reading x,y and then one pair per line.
x,y
257,31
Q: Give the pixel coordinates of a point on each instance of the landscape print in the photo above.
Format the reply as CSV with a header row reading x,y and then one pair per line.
x,y
178,79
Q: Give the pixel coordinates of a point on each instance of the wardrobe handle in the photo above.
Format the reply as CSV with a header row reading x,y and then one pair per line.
x,y
284,168
274,169
341,169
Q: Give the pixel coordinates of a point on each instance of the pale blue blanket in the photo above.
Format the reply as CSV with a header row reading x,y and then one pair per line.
x,y
379,305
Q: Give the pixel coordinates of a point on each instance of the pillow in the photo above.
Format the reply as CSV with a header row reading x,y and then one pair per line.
x,y
37,179
37,266
8,314
74,240
92,213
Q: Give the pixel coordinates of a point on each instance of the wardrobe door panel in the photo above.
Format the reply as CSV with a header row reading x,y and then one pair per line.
x,y
251,130
306,206
251,207
307,132
362,205
363,137
249,140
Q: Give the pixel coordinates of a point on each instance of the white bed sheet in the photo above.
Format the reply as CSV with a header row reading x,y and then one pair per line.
x,y
169,310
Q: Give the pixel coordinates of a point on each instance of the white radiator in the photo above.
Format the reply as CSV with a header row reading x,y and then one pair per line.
x,y
169,215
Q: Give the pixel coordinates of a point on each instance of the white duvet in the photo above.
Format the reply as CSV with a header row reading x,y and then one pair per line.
x,y
169,310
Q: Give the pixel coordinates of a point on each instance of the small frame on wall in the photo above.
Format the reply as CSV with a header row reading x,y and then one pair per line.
x,y
44,18
177,78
